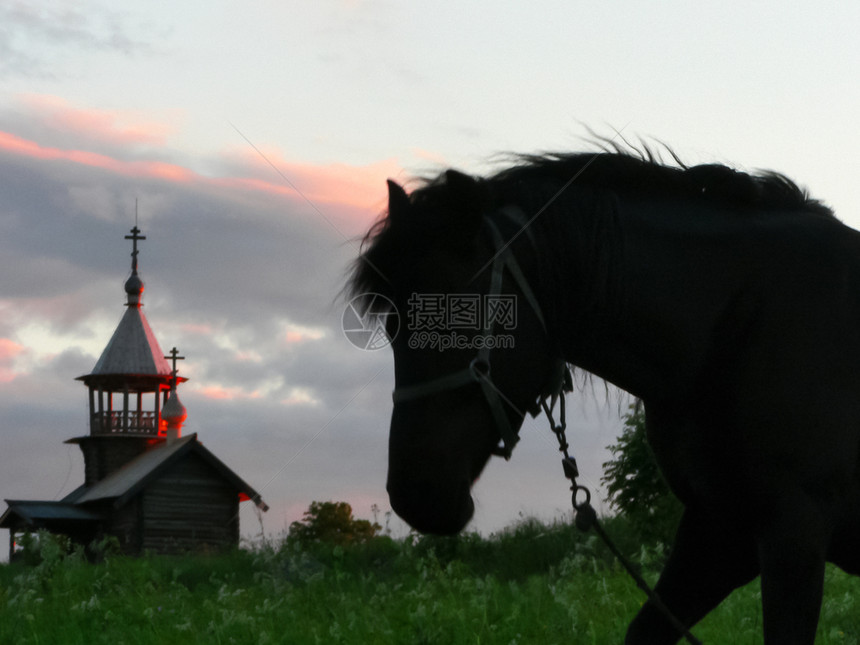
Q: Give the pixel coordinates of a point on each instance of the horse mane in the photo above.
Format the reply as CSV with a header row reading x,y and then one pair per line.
x,y
624,170
643,174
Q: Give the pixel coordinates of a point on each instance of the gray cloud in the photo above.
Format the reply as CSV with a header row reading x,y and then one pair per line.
x,y
34,35
245,284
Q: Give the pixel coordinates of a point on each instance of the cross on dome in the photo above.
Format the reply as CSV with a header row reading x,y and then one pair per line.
x,y
134,285
173,357
134,237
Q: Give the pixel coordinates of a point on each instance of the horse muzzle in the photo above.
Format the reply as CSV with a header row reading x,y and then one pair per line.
x,y
440,508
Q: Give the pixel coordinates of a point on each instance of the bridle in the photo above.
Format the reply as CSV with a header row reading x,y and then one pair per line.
x,y
478,370
558,383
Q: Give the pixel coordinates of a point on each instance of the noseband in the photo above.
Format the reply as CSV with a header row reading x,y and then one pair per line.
x,y
479,370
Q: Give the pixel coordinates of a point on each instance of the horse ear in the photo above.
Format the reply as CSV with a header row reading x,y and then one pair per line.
x,y
468,199
398,200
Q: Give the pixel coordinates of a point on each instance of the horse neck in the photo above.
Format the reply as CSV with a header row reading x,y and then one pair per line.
x,y
639,307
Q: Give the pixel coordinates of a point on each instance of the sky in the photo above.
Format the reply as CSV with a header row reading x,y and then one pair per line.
x,y
256,138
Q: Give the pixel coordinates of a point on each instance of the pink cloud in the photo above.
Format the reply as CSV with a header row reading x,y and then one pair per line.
x,y
336,184
362,186
347,196
9,349
23,147
216,392
108,126
221,393
293,336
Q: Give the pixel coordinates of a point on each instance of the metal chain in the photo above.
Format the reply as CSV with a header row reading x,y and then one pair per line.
x,y
586,517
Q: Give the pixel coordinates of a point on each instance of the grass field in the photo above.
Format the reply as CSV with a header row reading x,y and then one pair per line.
x,y
530,584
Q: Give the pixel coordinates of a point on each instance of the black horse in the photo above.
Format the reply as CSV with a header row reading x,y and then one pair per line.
x,y
728,302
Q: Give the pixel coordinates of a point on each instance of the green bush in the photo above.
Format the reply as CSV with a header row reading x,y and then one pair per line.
x,y
333,523
637,489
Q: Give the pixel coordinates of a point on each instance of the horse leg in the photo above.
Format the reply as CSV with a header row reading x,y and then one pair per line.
x,y
710,558
792,548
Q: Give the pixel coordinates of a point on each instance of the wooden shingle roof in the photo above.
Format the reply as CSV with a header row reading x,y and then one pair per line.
x,y
133,349
123,484
36,513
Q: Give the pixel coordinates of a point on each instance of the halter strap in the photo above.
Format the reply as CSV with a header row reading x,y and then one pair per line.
x,y
447,382
478,370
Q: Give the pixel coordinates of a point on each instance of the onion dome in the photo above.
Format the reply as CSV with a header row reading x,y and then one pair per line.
x,y
173,412
134,289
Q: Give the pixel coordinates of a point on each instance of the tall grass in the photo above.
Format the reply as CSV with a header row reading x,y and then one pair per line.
x,y
530,584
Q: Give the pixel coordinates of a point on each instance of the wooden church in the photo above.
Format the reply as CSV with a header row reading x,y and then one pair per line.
x,y
145,484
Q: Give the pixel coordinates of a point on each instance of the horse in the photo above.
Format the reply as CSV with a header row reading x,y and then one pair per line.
x,y
728,302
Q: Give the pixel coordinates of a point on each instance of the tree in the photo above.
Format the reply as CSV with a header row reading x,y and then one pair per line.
x,y
332,522
635,485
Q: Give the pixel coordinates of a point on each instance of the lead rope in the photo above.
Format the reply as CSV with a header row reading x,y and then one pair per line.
x,y
586,516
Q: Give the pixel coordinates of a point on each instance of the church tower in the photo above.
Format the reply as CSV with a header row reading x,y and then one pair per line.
x,y
128,388
145,484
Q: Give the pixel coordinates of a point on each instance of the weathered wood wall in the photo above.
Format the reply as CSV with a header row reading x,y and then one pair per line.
x,y
189,508
124,523
103,455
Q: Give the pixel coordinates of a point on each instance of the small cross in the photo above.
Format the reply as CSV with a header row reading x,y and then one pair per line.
x,y
134,237
174,356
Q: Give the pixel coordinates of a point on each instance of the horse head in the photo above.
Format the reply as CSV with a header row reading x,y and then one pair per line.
x,y
700,290
472,353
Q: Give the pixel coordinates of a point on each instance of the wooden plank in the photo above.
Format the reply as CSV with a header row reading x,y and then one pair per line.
x,y
189,508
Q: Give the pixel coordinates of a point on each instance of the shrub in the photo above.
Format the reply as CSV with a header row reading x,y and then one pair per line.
x,y
635,485
333,523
